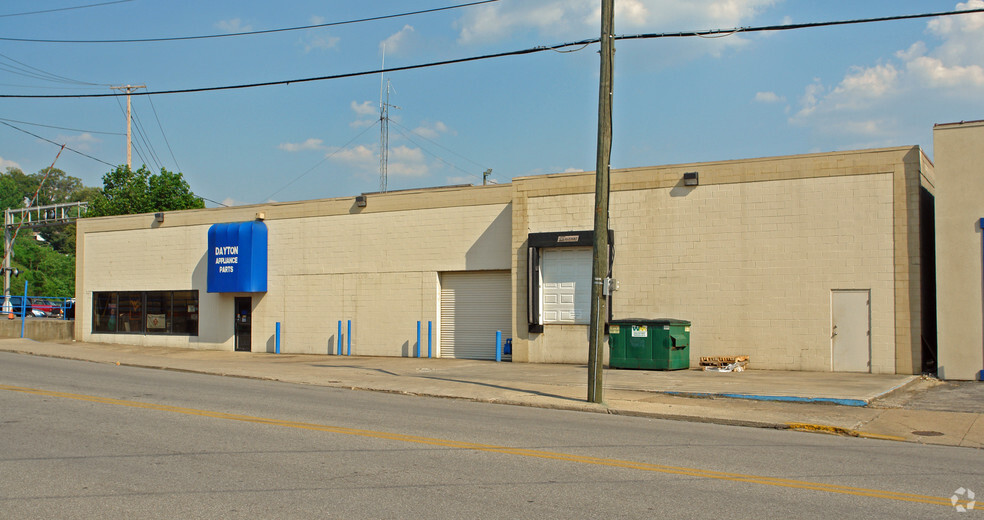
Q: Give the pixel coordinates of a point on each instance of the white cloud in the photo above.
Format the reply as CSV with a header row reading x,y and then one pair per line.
x,y
4,164
573,170
233,25
407,162
366,108
360,158
229,201
308,144
397,42
769,97
494,22
82,142
321,41
431,130
950,65
403,161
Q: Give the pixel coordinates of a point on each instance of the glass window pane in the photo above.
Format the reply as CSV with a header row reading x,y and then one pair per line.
x,y
185,313
104,312
131,312
158,312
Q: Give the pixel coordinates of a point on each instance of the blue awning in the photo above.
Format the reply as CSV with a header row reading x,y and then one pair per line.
x,y
237,257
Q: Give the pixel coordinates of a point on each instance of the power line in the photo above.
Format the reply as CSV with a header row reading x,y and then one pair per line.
x,y
61,127
531,50
329,156
3,122
251,33
56,144
64,8
168,143
438,157
435,143
36,73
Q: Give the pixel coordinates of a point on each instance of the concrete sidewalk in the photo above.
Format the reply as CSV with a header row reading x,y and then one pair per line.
x,y
867,405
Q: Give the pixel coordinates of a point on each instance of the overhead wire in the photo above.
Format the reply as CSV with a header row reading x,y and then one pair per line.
x,y
61,127
520,52
26,70
164,135
319,163
251,33
436,156
148,145
57,9
133,142
32,134
435,143
87,156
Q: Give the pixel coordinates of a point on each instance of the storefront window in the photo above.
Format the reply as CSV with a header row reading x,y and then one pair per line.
x,y
158,312
145,312
104,312
185,312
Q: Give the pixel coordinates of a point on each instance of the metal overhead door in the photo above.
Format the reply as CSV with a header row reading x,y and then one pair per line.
x,y
474,305
566,285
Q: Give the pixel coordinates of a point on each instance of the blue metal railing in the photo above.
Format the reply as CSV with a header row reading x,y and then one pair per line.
x,y
40,307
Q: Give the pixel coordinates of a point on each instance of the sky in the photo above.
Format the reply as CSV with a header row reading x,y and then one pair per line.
x,y
676,100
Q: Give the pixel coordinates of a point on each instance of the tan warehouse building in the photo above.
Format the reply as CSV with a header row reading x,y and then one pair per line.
x,y
810,262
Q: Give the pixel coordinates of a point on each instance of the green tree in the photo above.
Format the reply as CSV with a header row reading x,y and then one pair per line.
x,y
126,192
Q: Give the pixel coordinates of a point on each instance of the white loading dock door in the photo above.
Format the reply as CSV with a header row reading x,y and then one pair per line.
x,y
474,305
565,281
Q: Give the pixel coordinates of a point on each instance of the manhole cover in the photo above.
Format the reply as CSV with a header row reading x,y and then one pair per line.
x,y
923,433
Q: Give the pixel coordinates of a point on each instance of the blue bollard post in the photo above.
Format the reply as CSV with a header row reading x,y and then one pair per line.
x,y
277,341
348,340
417,349
24,309
429,351
498,346
338,338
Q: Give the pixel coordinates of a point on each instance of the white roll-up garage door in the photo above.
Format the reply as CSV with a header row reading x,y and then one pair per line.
x,y
474,305
566,285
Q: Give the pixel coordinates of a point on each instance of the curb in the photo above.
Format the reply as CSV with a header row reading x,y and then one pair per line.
x,y
837,430
579,407
777,398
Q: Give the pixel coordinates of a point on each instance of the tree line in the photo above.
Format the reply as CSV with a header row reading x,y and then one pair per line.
x,y
45,257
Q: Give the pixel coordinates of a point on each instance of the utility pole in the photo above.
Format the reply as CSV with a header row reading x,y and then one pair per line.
x,y
600,267
129,89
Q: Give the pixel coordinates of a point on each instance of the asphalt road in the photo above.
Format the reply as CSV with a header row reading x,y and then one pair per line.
x,y
86,440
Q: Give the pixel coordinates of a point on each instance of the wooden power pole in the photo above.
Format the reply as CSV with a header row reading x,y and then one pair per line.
x,y
599,270
129,89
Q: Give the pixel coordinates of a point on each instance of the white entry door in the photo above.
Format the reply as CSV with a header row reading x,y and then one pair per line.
x,y
850,330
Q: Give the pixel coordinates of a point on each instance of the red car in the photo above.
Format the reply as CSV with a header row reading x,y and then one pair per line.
x,y
48,307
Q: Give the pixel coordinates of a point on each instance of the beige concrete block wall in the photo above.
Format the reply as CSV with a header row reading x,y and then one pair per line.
x,y
327,262
750,256
154,259
959,151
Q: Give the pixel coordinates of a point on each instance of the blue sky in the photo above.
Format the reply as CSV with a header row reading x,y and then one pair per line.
x,y
676,100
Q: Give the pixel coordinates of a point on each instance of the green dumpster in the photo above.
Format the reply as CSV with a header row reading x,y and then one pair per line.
x,y
661,344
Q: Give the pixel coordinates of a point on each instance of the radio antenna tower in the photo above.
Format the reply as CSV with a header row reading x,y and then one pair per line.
x,y
384,106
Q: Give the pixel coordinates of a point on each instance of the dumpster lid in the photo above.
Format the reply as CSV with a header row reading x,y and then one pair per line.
x,y
650,321
680,339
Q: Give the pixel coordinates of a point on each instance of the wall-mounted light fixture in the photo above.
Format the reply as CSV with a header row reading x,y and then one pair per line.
x,y
260,215
690,179
360,201
159,217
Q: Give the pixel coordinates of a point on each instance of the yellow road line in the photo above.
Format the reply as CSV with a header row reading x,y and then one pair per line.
x,y
641,466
